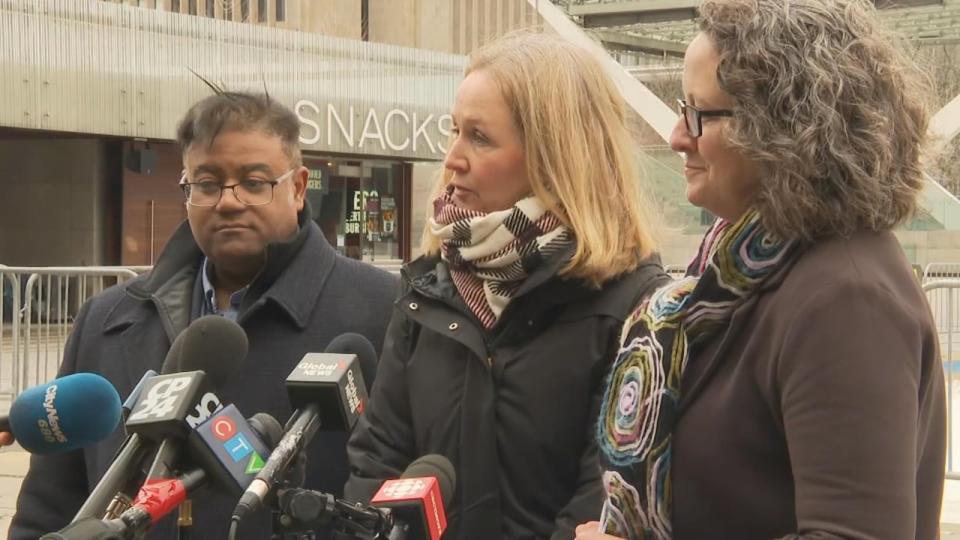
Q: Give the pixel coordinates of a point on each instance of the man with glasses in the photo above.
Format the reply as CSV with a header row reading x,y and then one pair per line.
x,y
249,251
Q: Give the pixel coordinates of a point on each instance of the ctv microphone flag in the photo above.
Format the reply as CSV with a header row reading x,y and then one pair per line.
x,y
231,451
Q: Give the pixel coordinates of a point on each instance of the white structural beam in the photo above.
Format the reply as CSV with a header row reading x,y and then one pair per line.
x,y
634,6
632,12
637,96
617,39
944,125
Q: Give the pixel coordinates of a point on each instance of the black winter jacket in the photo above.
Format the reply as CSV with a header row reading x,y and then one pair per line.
x,y
306,296
513,408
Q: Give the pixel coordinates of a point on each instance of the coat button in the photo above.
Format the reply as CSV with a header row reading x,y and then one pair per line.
x,y
453,326
414,306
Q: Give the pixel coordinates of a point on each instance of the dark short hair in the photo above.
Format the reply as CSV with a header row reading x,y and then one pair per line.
x,y
240,111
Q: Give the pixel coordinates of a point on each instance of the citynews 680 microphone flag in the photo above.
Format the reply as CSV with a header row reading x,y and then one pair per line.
x,y
64,414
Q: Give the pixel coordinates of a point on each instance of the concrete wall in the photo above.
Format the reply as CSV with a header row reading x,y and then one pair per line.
x,y
455,26
340,18
56,203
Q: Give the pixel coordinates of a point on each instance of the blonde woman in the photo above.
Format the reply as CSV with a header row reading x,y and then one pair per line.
x,y
536,249
790,386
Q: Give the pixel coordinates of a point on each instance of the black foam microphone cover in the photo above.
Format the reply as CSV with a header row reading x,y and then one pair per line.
x,y
353,343
214,344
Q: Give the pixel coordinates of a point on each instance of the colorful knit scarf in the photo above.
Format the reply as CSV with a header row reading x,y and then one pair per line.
x,y
643,391
490,254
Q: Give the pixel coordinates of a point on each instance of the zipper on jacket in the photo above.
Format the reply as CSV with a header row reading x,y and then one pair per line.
x,y
490,361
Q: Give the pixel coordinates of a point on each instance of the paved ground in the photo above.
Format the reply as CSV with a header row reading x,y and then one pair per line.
x,y
14,462
13,465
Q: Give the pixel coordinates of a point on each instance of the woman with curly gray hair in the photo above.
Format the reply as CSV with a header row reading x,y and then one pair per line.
x,y
790,385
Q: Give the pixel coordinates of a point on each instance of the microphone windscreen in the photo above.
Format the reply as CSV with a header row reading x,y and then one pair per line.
x,y
171,362
215,345
352,343
438,467
65,414
268,428
271,432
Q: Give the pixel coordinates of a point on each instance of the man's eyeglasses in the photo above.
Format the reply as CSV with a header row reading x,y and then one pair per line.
x,y
693,117
250,191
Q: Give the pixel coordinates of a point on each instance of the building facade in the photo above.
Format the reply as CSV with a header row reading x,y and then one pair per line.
x,y
93,91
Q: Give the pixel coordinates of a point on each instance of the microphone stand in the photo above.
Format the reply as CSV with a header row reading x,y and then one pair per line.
x,y
185,520
303,510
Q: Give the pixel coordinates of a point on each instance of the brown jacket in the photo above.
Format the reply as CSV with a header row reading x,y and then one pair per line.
x,y
820,413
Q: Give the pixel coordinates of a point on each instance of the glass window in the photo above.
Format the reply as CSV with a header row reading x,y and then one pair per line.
x,y
281,10
365,20
262,10
357,204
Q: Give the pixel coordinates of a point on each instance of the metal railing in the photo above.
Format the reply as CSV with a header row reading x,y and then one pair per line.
x,y
38,306
941,270
675,270
37,310
944,299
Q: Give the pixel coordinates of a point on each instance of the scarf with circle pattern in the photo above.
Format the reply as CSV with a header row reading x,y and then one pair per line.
x,y
643,390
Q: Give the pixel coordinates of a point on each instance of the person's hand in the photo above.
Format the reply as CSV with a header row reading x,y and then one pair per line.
x,y
6,438
591,531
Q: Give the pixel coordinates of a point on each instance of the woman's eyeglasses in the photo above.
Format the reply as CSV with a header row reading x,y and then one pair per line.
x,y
693,117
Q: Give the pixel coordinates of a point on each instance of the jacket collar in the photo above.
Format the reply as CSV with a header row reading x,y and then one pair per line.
x,y
292,278
430,275
295,277
739,322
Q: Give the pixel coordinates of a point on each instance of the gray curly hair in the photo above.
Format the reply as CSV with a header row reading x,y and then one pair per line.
x,y
829,105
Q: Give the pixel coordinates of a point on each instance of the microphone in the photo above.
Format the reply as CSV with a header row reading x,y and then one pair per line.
x,y
115,491
64,414
229,449
159,497
418,498
211,350
135,393
327,390
367,356
212,344
409,507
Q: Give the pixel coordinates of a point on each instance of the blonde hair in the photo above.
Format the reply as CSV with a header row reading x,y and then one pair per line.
x,y
578,152
832,109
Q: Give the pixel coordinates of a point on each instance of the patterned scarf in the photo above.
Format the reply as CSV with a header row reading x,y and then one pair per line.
x,y
490,254
640,402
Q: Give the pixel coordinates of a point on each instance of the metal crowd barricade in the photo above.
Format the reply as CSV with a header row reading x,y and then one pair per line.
x,y
37,311
675,270
941,270
944,299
